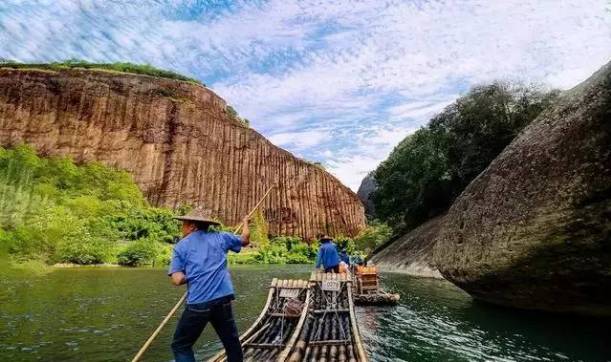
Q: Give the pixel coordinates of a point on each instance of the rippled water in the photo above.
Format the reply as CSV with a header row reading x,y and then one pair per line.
x,y
104,314
436,321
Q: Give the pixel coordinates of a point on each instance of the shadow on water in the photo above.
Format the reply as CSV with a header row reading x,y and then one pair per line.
x,y
437,321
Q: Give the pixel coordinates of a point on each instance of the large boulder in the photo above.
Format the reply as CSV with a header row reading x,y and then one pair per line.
x,y
412,253
533,230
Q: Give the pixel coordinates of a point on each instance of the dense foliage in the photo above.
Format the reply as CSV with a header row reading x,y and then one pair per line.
x,y
280,250
430,168
54,210
124,67
374,235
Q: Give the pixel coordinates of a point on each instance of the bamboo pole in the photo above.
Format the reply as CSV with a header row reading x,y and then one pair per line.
x,y
165,320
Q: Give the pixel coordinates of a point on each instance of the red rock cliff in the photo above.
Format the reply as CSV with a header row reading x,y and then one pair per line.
x,y
178,141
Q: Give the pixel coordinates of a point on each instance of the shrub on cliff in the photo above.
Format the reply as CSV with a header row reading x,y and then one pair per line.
x,y
236,116
124,67
430,168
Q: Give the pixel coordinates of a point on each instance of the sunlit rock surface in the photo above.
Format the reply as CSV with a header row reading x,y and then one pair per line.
x,y
178,141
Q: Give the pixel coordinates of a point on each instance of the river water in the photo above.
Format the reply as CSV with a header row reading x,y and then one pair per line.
x,y
105,314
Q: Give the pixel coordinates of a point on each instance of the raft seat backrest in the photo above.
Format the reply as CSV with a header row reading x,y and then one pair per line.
x,y
289,284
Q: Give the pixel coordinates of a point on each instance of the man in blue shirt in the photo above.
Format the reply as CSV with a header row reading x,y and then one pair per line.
x,y
327,257
200,261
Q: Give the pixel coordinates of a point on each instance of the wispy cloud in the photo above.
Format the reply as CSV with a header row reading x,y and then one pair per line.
x,y
301,140
334,81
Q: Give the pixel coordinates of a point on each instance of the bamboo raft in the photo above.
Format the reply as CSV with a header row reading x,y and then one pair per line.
x,y
304,321
367,289
329,332
275,328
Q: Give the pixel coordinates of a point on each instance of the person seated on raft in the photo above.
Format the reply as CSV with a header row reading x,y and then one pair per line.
x,y
344,261
327,257
343,256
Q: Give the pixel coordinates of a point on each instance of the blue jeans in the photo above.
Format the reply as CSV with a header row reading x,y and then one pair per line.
x,y
192,324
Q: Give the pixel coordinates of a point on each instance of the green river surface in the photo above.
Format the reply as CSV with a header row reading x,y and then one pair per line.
x,y
105,314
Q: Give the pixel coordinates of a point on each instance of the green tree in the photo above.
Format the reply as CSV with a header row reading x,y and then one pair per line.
x,y
54,210
374,235
430,168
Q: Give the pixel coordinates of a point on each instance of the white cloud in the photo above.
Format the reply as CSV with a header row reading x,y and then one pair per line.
x,y
374,145
340,82
300,140
419,110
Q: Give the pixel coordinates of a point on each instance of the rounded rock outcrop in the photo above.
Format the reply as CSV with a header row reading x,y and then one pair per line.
x,y
533,229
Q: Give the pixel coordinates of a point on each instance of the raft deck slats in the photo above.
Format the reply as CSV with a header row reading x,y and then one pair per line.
x,y
274,329
264,345
323,311
330,342
325,330
330,332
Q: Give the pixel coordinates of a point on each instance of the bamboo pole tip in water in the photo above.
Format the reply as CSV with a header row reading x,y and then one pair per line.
x,y
274,281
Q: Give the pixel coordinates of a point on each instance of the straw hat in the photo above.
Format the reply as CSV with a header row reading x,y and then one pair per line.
x,y
200,215
326,237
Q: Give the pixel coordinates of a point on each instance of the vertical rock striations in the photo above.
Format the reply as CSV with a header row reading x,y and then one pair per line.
x,y
178,141
534,229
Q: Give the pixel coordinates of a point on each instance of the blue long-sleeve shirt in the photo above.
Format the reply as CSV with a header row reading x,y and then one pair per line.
x,y
328,256
202,256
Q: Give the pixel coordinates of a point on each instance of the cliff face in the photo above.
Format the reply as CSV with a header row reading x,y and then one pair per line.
x,y
178,141
413,252
367,187
533,230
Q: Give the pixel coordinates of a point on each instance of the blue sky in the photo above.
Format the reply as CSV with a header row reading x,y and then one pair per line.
x,y
339,82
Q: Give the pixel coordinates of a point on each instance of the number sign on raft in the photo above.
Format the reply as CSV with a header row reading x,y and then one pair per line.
x,y
330,285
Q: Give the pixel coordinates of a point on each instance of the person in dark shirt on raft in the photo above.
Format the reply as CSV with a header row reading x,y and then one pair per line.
x,y
343,256
328,257
200,261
